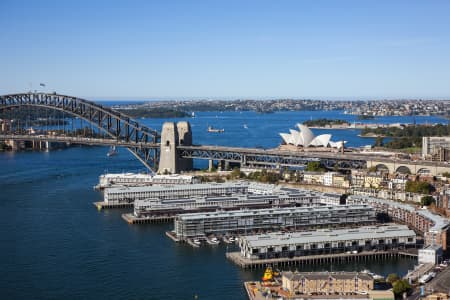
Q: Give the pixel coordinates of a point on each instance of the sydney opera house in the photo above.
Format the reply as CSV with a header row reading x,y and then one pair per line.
x,y
306,138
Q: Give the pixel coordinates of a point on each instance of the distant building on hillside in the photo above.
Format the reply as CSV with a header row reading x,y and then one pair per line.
x,y
436,148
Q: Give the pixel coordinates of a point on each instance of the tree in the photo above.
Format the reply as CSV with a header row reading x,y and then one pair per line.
x,y
373,169
392,278
427,200
419,187
315,166
236,173
378,142
400,286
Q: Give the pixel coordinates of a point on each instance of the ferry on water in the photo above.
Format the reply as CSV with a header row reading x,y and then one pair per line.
x,y
215,130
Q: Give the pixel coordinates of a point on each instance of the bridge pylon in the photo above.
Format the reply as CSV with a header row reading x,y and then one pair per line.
x,y
172,136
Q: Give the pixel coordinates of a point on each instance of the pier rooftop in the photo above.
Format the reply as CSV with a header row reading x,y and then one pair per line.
x,y
236,201
253,220
327,235
130,194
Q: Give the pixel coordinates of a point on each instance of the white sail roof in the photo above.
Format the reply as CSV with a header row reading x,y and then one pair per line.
x,y
306,138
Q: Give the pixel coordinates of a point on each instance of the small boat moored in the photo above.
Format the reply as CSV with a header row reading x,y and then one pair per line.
x,y
112,151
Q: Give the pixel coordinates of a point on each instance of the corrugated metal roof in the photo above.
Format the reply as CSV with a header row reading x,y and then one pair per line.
x,y
318,236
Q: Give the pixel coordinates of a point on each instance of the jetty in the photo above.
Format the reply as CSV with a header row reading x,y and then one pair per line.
x,y
132,219
247,263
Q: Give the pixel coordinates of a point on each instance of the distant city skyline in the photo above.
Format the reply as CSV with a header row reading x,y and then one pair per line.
x,y
149,50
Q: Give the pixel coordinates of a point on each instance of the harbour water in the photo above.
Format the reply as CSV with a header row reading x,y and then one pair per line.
x,y
55,244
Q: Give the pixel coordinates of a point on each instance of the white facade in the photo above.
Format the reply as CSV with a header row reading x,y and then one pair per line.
x,y
135,179
328,178
431,143
122,195
430,255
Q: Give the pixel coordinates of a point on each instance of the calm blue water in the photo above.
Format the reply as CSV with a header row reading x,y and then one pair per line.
x,y
54,244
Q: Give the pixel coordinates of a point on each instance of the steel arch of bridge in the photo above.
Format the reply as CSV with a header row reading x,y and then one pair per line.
x,y
118,126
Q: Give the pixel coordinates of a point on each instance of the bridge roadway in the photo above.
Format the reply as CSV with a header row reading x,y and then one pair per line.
x,y
277,157
255,156
79,140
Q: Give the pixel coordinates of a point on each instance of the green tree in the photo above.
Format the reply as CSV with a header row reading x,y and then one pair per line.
x,y
427,200
392,278
373,169
401,286
315,166
378,142
419,187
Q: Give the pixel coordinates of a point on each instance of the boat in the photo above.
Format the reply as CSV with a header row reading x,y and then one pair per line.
x,y
196,242
425,278
245,126
268,274
229,239
112,151
213,241
377,277
193,114
215,130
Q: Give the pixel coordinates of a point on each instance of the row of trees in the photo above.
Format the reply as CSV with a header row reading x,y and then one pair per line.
x,y
156,112
406,137
324,122
263,176
420,187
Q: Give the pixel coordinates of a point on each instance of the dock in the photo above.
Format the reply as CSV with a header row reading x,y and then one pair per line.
x,y
247,263
104,205
172,236
132,219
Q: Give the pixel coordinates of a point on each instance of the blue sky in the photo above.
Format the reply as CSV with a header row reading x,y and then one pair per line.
x,y
155,49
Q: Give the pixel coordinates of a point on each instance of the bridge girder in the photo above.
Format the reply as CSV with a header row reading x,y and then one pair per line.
x,y
262,158
116,125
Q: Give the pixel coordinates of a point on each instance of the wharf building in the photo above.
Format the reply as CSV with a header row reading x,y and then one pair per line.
x,y
124,195
434,228
169,207
135,179
196,225
327,283
320,242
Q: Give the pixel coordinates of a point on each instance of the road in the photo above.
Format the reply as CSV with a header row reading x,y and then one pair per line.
x,y
440,283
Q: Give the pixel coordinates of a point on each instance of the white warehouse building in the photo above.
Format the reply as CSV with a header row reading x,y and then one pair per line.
x,y
322,241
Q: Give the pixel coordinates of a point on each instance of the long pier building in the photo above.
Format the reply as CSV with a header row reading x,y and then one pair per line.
x,y
319,242
156,207
137,179
123,195
197,225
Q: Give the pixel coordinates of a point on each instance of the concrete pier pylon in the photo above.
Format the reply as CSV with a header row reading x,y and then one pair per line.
x,y
173,135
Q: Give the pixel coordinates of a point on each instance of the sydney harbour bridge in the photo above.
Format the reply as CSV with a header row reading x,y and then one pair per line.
x,y
172,149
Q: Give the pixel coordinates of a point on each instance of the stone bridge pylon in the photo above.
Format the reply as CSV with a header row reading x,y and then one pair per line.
x,y
172,136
